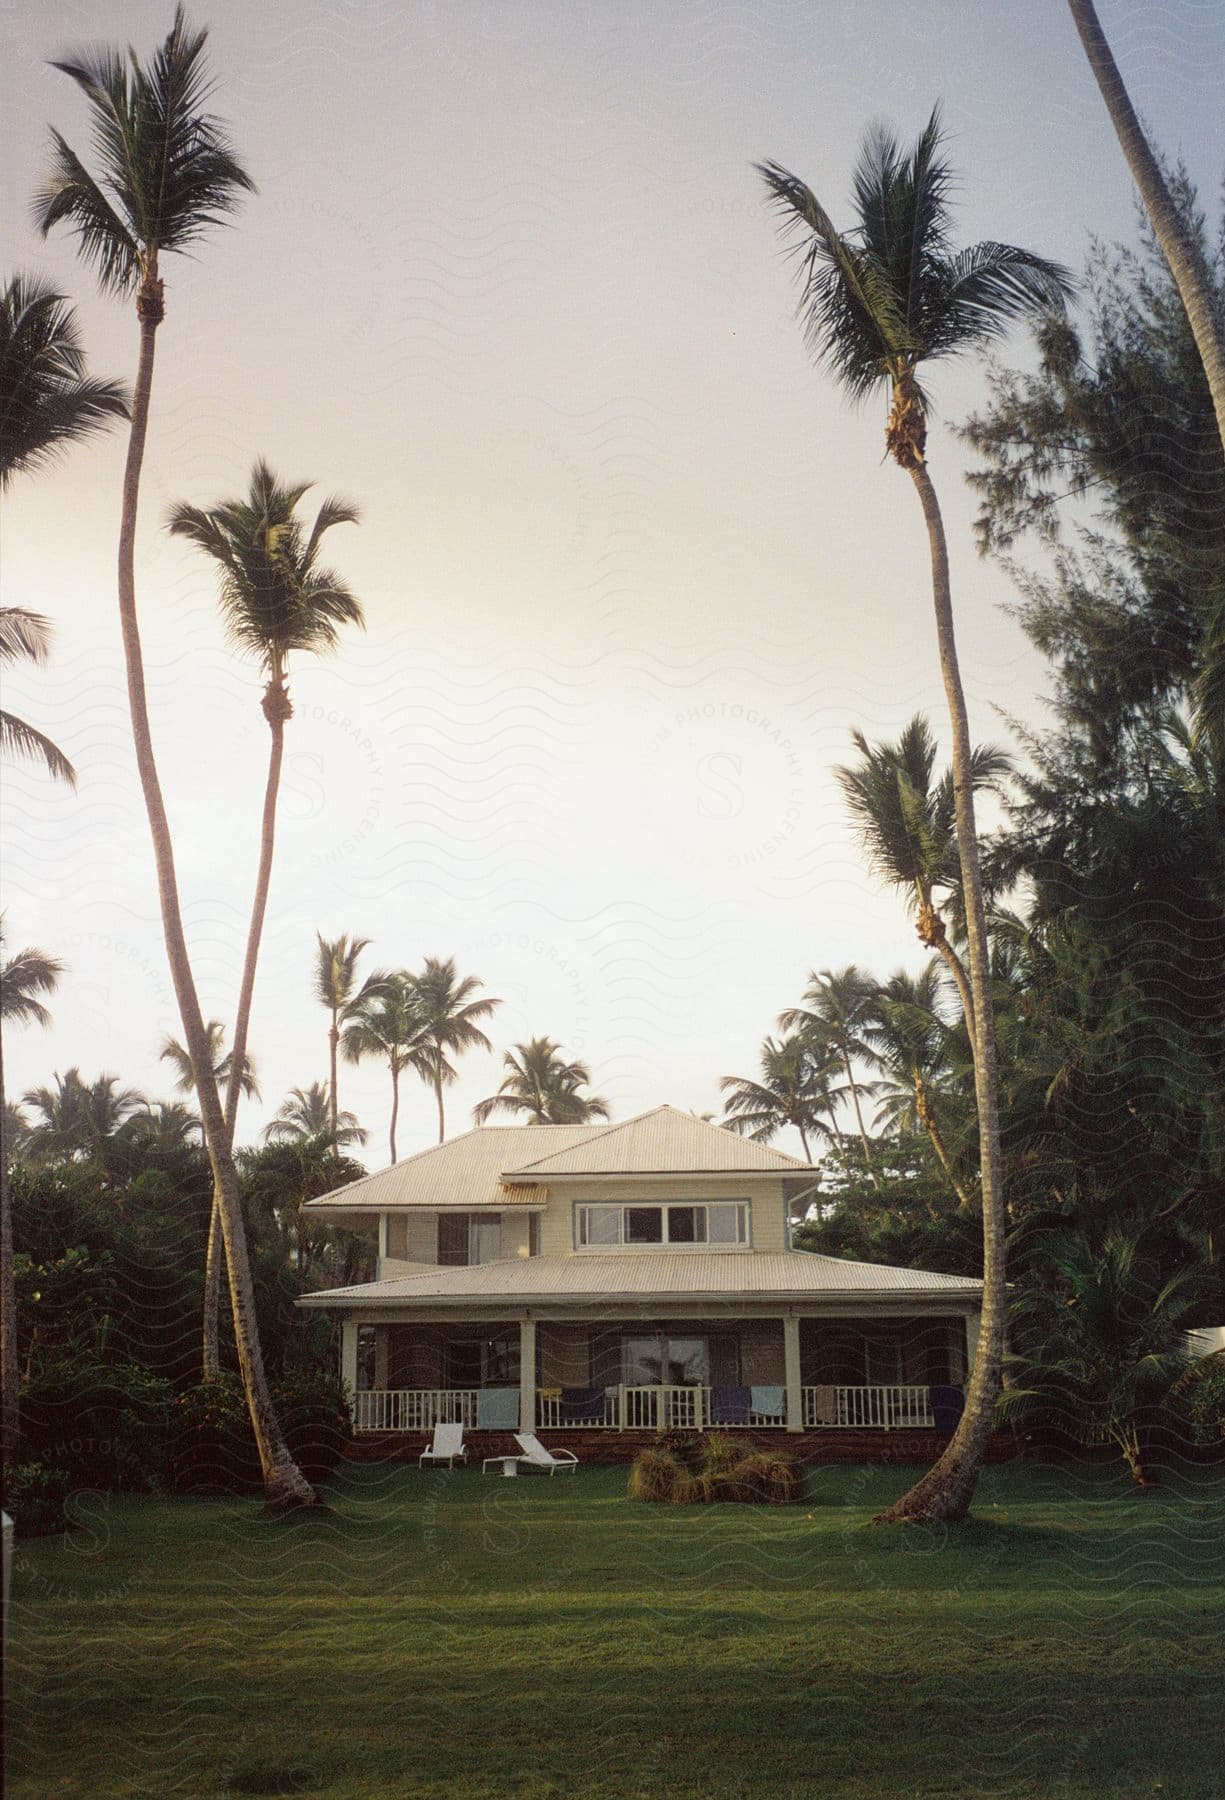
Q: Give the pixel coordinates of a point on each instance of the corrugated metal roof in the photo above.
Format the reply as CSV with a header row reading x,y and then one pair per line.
x,y
651,1275
500,1165
465,1171
663,1142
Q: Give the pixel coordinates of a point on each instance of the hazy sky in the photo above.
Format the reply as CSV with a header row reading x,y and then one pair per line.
x,y
631,569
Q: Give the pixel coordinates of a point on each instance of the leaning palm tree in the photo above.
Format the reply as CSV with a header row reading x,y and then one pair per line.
x,y
907,823
166,177
832,1019
307,1113
24,978
389,1025
1178,245
27,635
47,401
450,1012
794,1090
878,303
277,600
336,987
540,1085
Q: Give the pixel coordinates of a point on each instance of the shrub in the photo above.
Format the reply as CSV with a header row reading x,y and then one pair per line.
x,y
104,1424
1202,1398
214,1446
34,1497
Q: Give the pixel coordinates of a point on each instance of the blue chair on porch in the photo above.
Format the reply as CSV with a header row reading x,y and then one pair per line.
x,y
947,1404
729,1404
582,1406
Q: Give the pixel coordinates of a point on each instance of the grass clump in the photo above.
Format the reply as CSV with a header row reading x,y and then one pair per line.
x,y
714,1466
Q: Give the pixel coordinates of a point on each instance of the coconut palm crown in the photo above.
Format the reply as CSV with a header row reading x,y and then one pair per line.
x,y
275,596
167,174
892,293
47,401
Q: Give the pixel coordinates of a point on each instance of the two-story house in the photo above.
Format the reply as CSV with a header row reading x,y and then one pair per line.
x,y
627,1277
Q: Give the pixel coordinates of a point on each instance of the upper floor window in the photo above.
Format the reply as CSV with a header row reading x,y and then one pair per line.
x,y
466,1238
722,1223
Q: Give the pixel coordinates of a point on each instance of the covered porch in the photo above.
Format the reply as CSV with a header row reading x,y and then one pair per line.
x,y
794,1372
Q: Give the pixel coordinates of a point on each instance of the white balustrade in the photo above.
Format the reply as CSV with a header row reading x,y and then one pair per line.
x,y
880,1408
888,1408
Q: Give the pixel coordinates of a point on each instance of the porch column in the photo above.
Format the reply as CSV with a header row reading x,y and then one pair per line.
x,y
972,1324
348,1356
791,1368
381,1336
527,1373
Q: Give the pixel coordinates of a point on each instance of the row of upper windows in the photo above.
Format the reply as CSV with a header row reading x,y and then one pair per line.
x,y
721,1223
461,1240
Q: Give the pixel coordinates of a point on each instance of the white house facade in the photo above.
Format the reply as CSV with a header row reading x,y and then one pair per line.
x,y
629,1277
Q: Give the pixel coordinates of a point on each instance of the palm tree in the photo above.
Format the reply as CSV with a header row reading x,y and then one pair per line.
x,y
389,1024
221,1062
276,599
307,1113
24,977
336,988
28,635
1178,245
47,401
1102,1331
794,1090
449,1014
74,1118
879,302
833,1019
908,1041
167,178
908,826
542,1085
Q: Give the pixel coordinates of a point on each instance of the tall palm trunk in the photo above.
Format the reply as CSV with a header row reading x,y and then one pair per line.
x,y
1177,246
948,1487
9,1377
442,1123
277,710
395,1104
863,1136
333,1050
284,1483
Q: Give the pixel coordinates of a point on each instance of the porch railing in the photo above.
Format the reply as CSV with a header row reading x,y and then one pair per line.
x,y
885,1408
413,1409
882,1408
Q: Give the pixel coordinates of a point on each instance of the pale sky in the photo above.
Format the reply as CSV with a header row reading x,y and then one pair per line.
x,y
632,570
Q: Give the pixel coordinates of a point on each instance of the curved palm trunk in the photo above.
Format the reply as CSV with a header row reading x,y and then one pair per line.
x,y
863,1136
442,1123
10,1404
1178,248
395,1104
946,1490
276,711
284,1483
927,1118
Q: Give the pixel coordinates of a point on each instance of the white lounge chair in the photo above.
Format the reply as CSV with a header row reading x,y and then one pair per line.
x,y
535,1456
447,1447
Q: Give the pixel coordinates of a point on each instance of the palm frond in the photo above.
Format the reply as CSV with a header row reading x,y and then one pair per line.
x,y
24,741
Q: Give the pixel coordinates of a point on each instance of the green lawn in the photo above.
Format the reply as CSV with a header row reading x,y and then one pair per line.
x,y
437,1634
